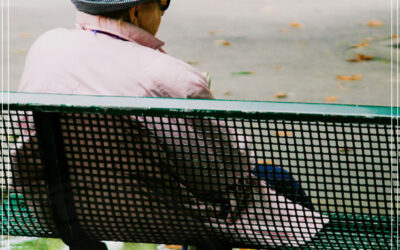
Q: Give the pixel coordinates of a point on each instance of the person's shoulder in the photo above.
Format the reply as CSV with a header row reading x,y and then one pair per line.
x,y
56,33
51,39
177,78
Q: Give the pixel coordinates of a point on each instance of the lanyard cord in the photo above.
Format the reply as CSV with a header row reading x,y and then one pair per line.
x,y
108,34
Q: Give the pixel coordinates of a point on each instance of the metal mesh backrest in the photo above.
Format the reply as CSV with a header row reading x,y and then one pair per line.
x,y
180,177
26,208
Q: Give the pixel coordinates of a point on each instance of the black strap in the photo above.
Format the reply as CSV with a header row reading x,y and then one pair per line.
x,y
48,129
208,244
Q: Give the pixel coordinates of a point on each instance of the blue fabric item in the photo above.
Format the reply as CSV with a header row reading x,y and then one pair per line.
x,y
283,183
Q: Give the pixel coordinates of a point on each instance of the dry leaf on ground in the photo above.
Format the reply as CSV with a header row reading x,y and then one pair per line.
x,y
174,247
266,162
360,58
277,67
331,99
364,43
20,51
296,25
227,92
363,57
345,150
375,23
349,77
223,42
193,62
395,36
281,95
243,73
285,134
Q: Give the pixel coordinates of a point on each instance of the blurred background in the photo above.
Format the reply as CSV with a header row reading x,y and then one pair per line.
x,y
273,50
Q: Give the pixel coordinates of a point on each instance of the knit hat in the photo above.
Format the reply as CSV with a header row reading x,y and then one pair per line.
x,y
96,7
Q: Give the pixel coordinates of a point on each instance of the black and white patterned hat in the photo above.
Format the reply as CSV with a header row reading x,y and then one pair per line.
x,y
96,7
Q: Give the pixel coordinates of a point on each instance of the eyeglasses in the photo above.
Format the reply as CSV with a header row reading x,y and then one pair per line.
x,y
164,4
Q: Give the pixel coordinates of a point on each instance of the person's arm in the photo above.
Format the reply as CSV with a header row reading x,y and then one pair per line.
x,y
220,160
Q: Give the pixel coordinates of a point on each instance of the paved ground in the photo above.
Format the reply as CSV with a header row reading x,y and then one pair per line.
x,y
302,62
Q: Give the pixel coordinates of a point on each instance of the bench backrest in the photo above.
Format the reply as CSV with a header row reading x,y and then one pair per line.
x,y
169,170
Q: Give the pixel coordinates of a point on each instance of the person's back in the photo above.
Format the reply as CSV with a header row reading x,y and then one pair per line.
x,y
106,57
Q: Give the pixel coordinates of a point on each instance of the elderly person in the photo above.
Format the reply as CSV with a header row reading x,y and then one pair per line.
x,y
114,51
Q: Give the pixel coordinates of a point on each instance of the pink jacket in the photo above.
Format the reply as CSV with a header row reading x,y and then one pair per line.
x,y
124,60
81,62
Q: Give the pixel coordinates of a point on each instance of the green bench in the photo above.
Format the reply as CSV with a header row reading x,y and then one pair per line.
x,y
66,163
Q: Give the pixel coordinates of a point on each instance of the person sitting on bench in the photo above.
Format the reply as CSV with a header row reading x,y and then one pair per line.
x,y
114,51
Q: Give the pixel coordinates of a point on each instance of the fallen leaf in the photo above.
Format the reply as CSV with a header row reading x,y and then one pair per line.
x,y
266,162
331,99
395,36
12,138
285,134
215,32
227,92
362,44
243,73
281,95
349,77
193,62
375,23
277,67
345,150
364,57
174,247
360,58
223,42
296,25
20,51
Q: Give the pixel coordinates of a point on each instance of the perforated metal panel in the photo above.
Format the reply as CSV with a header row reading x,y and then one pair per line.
x,y
26,206
173,176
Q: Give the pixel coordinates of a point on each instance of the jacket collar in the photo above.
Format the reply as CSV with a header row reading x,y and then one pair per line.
x,y
123,30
